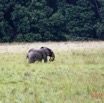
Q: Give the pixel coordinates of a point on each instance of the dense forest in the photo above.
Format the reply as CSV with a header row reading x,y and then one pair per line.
x,y
51,20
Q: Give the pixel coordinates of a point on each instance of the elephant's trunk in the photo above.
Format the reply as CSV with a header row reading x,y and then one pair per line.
x,y
52,57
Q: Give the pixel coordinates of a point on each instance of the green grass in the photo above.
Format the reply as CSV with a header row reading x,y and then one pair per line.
x,y
76,76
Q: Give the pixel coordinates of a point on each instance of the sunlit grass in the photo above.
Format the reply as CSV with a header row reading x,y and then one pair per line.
x,y
72,78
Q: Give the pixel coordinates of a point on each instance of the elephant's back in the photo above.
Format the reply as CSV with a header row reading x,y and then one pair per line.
x,y
34,54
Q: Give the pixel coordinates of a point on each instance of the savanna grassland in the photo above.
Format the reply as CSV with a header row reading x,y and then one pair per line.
x,y
76,75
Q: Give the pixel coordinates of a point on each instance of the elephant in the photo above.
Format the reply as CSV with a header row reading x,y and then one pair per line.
x,y
49,53
34,55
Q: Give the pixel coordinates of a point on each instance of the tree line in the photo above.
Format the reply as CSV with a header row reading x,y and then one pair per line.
x,y
51,20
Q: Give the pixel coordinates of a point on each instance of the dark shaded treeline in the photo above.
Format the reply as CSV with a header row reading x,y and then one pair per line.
x,y
55,20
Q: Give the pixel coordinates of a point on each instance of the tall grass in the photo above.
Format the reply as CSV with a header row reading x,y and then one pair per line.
x,y
76,76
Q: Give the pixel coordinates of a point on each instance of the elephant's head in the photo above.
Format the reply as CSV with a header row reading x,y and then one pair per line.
x,y
49,53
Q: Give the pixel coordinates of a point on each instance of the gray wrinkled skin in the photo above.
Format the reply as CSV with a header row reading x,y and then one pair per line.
x,y
34,55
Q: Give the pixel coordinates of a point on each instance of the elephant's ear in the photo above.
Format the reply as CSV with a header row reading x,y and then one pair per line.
x,y
51,53
46,51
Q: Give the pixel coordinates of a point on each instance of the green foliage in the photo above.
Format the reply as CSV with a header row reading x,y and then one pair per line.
x,y
51,20
100,30
30,37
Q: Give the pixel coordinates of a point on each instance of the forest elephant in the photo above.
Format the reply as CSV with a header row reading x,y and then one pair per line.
x,y
34,55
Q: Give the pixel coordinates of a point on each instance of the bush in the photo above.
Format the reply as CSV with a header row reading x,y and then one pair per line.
x,y
30,37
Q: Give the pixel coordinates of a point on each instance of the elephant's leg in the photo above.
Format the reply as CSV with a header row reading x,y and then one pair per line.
x,y
31,61
45,58
40,60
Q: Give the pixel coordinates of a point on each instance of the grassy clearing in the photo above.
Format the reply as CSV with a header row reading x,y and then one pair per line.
x,y
76,76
